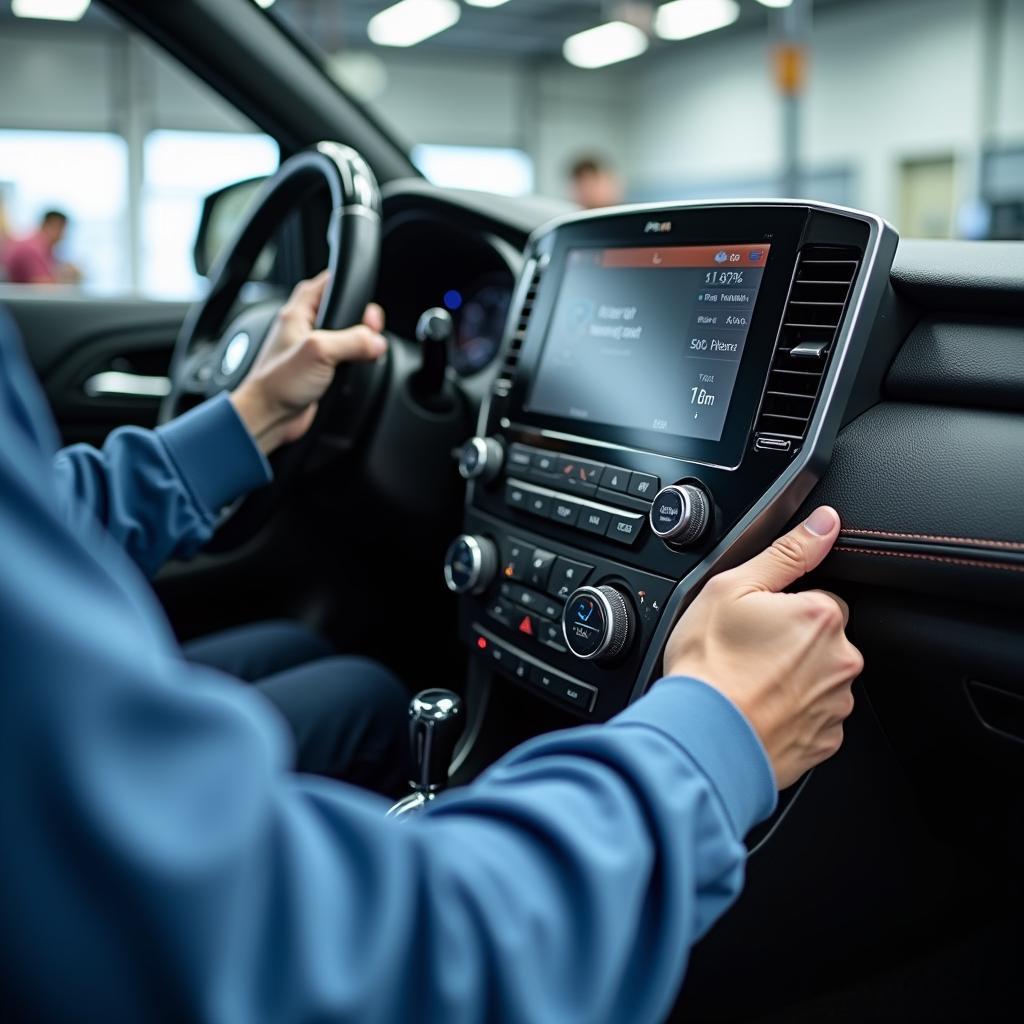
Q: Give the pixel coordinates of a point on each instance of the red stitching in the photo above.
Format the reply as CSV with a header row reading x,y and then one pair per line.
x,y
1010,545
931,558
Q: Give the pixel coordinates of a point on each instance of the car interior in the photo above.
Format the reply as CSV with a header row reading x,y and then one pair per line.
x,y
519,501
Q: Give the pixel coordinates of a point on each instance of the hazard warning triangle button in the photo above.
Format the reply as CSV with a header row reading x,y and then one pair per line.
x,y
526,625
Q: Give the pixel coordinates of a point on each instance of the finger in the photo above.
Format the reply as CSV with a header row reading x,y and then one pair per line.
x,y
374,317
306,295
354,344
794,554
843,606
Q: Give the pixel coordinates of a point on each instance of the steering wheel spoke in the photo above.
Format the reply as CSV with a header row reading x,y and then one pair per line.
x,y
198,369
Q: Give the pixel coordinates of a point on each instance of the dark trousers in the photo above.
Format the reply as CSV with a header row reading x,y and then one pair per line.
x,y
348,715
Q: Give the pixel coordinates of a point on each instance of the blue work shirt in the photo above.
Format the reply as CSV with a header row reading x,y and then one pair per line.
x,y
159,861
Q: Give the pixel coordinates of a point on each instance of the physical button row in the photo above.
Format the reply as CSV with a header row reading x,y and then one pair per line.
x,y
526,670
544,570
580,475
513,609
590,516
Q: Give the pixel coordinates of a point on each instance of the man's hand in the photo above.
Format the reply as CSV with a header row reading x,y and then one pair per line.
x,y
277,400
782,659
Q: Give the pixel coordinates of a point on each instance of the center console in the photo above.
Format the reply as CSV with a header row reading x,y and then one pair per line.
x,y
673,379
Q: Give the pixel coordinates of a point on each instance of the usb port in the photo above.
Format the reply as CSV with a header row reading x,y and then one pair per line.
x,y
773,444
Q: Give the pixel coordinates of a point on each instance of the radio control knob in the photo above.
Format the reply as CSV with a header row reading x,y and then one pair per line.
x,y
680,514
470,564
597,623
481,458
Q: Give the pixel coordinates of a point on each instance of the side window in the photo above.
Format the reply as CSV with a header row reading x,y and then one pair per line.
x,y
120,144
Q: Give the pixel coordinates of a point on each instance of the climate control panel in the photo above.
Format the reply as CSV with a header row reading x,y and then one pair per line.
x,y
562,622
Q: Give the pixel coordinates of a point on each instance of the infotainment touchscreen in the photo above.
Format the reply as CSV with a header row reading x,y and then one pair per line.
x,y
648,338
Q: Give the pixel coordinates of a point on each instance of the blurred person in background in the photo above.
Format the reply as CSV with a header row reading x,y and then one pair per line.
x,y
5,237
33,260
594,183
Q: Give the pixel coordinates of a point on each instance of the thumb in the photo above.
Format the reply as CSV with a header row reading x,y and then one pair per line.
x,y
794,554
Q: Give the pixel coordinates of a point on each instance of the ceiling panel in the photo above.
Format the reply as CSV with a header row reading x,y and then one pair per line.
x,y
519,28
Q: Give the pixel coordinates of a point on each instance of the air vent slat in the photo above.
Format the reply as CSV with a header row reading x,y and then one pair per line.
x,y
814,311
510,364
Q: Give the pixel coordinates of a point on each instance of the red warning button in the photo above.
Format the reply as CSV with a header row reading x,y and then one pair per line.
x,y
526,626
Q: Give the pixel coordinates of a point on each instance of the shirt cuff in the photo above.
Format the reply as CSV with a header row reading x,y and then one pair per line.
x,y
720,741
215,453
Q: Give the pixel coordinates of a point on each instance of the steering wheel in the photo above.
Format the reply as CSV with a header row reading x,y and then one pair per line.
x,y
217,345
213,354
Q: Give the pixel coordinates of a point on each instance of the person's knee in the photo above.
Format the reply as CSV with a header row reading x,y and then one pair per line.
x,y
365,683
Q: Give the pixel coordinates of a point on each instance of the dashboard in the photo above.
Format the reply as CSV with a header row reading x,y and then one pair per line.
x,y
429,262
672,383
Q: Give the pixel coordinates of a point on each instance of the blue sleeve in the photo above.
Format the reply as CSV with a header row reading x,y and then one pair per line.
x,y
160,492
160,862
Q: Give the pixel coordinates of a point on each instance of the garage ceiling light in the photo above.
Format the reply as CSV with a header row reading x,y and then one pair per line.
x,y
51,10
264,3
684,19
775,3
411,21
486,3
605,44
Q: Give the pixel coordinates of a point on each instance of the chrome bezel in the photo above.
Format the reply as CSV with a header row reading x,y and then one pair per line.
x,y
477,557
606,642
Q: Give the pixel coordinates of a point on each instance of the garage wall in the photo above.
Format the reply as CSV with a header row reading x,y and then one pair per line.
x,y
888,82
73,77
550,110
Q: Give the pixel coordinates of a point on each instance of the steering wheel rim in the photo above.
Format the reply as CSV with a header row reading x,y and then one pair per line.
x,y
208,357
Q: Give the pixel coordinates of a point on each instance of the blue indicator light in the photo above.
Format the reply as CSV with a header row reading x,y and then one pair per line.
x,y
452,300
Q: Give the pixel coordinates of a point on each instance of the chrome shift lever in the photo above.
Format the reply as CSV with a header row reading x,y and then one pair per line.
x,y
435,724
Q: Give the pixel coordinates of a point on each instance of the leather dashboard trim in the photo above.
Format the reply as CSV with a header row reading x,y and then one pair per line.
x,y
931,538
963,362
967,562
932,501
968,277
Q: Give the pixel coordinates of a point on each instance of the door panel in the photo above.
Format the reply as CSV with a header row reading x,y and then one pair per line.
x,y
101,362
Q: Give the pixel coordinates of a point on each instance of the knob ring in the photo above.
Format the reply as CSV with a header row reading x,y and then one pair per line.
x,y
615,639
487,464
479,445
476,581
694,518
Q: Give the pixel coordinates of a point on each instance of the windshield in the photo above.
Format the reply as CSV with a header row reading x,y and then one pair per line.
x,y
907,108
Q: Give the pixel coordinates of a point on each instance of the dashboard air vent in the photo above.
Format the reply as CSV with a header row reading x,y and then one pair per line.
x,y
510,364
817,301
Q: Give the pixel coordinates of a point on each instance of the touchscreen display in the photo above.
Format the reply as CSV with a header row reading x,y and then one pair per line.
x,y
649,338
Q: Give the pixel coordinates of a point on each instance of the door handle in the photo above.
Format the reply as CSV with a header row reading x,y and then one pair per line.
x,y
118,384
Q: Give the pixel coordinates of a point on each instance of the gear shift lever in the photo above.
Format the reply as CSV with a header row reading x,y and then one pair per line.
x,y
435,724
434,333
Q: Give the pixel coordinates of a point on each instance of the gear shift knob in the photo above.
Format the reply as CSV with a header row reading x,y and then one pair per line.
x,y
435,724
434,332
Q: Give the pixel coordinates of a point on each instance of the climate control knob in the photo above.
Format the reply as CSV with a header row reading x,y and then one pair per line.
x,y
680,514
470,564
480,458
597,623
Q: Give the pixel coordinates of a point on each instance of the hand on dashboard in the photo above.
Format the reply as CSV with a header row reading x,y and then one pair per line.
x,y
782,659
278,398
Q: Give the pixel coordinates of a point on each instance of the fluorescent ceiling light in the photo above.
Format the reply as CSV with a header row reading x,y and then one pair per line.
x,y
486,3
411,21
51,10
683,19
606,44
264,3
775,3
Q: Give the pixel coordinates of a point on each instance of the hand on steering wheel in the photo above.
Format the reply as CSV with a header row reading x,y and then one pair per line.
x,y
278,398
